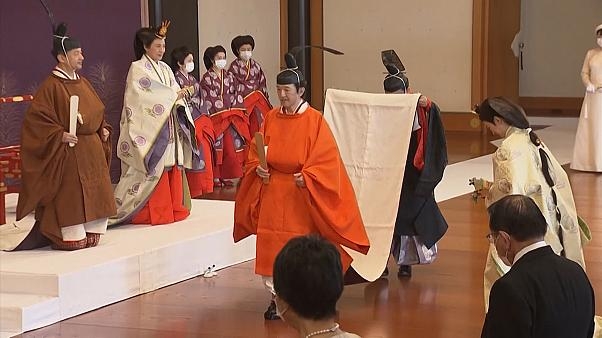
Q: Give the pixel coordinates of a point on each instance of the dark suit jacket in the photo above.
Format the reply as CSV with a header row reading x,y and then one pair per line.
x,y
542,296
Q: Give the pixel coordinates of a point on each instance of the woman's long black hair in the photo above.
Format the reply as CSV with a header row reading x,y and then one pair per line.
x,y
144,38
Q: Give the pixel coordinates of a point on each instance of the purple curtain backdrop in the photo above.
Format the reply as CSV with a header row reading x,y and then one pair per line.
x,y
105,30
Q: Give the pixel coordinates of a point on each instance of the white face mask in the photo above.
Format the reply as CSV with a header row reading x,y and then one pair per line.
x,y
504,258
599,41
246,55
221,64
189,67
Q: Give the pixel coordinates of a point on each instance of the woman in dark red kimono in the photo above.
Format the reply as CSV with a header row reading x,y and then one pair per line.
x,y
182,62
230,121
250,81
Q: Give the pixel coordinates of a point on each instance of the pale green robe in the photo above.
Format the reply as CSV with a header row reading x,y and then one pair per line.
x,y
517,170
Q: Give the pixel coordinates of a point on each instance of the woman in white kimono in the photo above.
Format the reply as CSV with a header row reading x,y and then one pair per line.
x,y
587,154
157,139
524,165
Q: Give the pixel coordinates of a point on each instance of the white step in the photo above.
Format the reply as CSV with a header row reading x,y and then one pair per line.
x,y
23,312
130,260
27,283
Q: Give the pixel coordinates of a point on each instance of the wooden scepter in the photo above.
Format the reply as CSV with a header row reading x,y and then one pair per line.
x,y
73,111
261,154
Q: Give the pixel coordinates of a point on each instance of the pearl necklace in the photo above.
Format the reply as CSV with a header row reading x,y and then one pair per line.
x,y
332,329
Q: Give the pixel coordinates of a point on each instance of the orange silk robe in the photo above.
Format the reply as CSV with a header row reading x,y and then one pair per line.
x,y
280,210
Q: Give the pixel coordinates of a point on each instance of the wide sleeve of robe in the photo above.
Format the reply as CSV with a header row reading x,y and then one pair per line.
x,y
330,194
248,197
435,155
42,149
106,145
147,104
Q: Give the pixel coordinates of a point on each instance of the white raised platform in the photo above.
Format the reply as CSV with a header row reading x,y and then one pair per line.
x,y
42,287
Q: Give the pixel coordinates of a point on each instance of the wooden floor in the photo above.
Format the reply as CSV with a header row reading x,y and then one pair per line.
x,y
444,299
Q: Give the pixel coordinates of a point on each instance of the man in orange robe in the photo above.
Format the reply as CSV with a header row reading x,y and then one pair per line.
x,y
304,189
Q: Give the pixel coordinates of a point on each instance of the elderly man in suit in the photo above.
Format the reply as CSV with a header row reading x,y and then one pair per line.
x,y
543,294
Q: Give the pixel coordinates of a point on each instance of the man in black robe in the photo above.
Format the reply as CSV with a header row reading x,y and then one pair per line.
x,y
419,224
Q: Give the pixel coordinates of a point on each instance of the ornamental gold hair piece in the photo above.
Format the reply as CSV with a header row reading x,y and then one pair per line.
x,y
162,30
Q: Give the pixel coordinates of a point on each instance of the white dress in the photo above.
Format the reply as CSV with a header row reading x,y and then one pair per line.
x,y
587,154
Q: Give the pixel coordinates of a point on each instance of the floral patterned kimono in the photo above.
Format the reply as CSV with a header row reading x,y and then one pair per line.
x,y
156,141
199,181
251,84
230,123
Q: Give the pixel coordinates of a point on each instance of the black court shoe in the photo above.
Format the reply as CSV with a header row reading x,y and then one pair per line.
x,y
270,313
404,271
